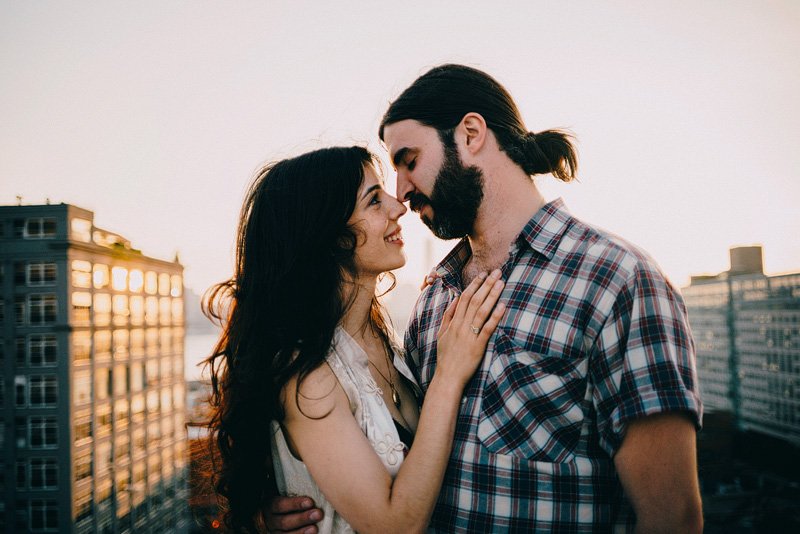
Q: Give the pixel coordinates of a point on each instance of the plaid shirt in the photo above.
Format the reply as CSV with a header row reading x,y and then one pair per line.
x,y
594,336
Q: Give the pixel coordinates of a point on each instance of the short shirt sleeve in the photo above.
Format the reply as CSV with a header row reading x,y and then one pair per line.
x,y
643,362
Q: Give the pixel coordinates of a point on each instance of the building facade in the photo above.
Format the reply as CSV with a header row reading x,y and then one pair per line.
x,y
746,327
92,392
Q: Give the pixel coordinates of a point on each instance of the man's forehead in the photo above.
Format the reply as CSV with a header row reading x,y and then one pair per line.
x,y
407,134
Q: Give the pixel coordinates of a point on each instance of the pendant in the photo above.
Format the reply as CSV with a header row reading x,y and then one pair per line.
x,y
396,398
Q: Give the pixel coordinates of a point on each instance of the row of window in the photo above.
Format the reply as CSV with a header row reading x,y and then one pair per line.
x,y
104,309
31,228
32,310
35,391
123,379
36,350
37,474
122,343
100,276
35,432
34,515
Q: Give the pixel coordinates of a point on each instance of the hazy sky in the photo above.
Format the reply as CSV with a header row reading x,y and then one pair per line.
x,y
155,115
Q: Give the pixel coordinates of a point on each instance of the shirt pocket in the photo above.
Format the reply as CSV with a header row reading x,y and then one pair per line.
x,y
531,405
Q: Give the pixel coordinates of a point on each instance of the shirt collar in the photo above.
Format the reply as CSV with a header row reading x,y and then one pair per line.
x,y
542,233
545,229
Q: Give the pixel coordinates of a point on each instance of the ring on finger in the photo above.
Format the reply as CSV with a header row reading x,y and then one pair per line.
x,y
475,329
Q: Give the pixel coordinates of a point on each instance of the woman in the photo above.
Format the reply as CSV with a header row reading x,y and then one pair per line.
x,y
307,373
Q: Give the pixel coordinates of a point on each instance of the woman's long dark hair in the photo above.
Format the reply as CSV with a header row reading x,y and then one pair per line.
x,y
294,252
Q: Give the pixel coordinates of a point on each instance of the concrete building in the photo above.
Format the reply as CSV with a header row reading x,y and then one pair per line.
x,y
747,329
92,389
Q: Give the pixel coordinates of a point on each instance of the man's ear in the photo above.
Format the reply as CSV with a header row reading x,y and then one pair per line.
x,y
472,130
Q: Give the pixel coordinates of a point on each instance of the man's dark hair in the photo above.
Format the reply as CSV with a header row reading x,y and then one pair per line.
x,y
442,96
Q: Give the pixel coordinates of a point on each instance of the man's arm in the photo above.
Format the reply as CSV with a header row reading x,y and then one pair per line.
x,y
657,465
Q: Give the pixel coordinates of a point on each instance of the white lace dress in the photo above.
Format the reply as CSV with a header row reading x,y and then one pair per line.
x,y
349,363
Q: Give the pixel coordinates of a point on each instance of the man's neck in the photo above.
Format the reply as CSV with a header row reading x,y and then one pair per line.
x,y
510,200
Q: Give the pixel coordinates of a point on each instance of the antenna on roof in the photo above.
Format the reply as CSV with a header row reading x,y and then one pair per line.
x,y
19,200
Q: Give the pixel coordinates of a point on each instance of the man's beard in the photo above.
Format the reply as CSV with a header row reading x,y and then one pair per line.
x,y
455,199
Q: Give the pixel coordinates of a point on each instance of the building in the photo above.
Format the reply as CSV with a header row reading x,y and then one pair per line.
x,y
92,393
746,327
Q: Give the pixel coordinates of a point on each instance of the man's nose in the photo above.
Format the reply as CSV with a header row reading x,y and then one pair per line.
x,y
404,187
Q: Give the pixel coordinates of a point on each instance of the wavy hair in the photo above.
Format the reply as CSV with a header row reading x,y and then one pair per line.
x,y
294,253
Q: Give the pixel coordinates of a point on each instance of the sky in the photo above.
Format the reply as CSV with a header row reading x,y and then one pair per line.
x,y
156,115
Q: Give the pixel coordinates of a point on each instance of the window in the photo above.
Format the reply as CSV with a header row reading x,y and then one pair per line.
x,y
21,475
42,350
19,310
136,280
44,515
121,379
44,473
103,426
82,387
120,309
119,278
81,308
176,285
43,432
81,346
41,274
102,309
83,464
102,383
121,341
43,391
137,342
100,276
151,311
19,227
163,284
20,390
165,310
103,457
81,230
83,427
137,310
21,432
81,274
150,283
41,309
40,228
20,277
102,345
21,354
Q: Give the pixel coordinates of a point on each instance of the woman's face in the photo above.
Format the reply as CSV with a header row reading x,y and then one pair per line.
x,y
380,243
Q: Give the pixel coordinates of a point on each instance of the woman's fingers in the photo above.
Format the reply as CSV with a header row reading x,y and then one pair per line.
x,y
485,309
466,297
480,296
447,318
494,319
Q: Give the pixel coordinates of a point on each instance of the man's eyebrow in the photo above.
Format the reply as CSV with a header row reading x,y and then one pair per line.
x,y
370,190
399,155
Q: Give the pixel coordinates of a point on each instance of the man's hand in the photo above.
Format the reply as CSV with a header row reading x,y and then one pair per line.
x,y
657,465
295,515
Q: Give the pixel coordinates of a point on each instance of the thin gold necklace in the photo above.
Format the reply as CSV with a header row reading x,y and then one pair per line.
x,y
395,396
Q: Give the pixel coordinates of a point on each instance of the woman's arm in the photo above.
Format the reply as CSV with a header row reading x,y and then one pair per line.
x,y
341,459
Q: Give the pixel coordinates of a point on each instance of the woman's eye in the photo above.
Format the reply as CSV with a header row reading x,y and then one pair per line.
x,y
375,200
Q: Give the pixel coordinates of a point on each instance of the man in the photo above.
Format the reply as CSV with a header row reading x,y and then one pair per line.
x,y
583,415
